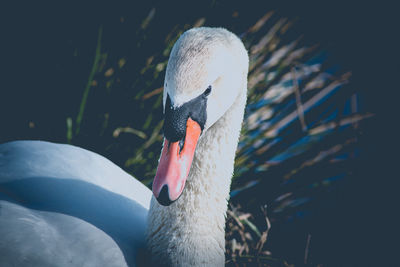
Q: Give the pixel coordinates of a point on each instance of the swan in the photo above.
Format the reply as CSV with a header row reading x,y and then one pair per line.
x,y
61,205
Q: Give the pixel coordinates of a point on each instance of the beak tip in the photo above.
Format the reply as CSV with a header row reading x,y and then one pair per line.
x,y
163,197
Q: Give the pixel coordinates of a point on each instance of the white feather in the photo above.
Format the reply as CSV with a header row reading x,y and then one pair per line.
x,y
65,206
191,231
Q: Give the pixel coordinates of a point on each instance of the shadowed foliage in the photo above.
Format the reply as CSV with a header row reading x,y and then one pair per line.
x,y
92,76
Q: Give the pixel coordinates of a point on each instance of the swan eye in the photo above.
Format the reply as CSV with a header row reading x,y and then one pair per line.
x,y
207,91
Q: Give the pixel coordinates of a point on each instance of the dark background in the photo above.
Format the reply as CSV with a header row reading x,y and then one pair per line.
x,y
39,41
42,82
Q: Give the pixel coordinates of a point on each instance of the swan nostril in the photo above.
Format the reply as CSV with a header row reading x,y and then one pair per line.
x,y
163,197
181,144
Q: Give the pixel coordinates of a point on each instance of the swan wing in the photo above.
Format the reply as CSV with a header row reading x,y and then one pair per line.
x,y
61,205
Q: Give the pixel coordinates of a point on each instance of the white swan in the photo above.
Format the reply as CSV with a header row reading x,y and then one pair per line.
x,y
65,206
61,205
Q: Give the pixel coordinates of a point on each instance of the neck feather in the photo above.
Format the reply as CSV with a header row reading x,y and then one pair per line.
x,y
191,232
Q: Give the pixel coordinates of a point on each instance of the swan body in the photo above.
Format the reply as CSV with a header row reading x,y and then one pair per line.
x,y
61,205
65,206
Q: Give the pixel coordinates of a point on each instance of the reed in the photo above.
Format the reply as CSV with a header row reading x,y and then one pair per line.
x,y
300,135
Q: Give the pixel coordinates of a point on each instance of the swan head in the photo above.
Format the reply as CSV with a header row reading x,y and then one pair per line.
x,y
206,72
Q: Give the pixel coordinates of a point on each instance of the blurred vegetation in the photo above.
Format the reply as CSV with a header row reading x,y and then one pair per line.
x,y
94,79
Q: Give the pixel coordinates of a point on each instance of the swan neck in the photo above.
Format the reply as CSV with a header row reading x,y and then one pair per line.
x,y
191,231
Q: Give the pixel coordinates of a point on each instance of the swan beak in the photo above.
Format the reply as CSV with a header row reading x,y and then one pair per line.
x,y
174,165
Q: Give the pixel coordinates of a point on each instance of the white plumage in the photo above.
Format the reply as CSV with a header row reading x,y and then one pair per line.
x,y
65,206
61,205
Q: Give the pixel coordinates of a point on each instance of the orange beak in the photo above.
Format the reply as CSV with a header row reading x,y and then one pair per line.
x,y
174,165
